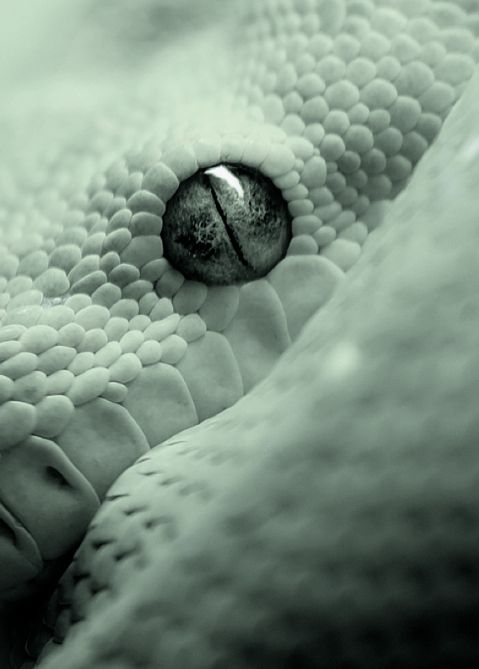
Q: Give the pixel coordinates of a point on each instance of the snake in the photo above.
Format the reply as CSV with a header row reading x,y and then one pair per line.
x,y
238,338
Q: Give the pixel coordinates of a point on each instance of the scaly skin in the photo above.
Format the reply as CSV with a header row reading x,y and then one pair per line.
x,y
283,531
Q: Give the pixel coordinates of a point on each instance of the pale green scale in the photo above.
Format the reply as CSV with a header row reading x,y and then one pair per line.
x,y
52,282
173,349
125,369
343,252
88,383
53,413
6,388
123,274
59,382
35,263
81,363
71,334
131,341
149,352
120,219
17,420
125,308
190,297
88,283
191,327
108,354
170,282
65,256
115,392
107,294
158,308
93,340
303,245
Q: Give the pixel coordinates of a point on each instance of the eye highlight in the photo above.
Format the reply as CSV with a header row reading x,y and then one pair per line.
x,y
226,224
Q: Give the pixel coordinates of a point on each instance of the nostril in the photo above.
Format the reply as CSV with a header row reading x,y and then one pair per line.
x,y
7,532
47,495
56,477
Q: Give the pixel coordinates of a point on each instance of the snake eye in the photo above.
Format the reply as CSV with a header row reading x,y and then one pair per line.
x,y
226,224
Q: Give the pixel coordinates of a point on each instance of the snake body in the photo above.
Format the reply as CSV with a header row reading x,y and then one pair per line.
x,y
304,486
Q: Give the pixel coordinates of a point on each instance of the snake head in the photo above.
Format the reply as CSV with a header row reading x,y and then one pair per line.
x,y
50,490
45,506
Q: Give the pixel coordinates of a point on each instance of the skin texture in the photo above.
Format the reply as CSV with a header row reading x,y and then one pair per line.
x,y
234,543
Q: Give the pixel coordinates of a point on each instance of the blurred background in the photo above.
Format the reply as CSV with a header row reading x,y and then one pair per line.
x,y
41,37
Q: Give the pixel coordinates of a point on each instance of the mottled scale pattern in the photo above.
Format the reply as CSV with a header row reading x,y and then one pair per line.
x,y
337,102
197,557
